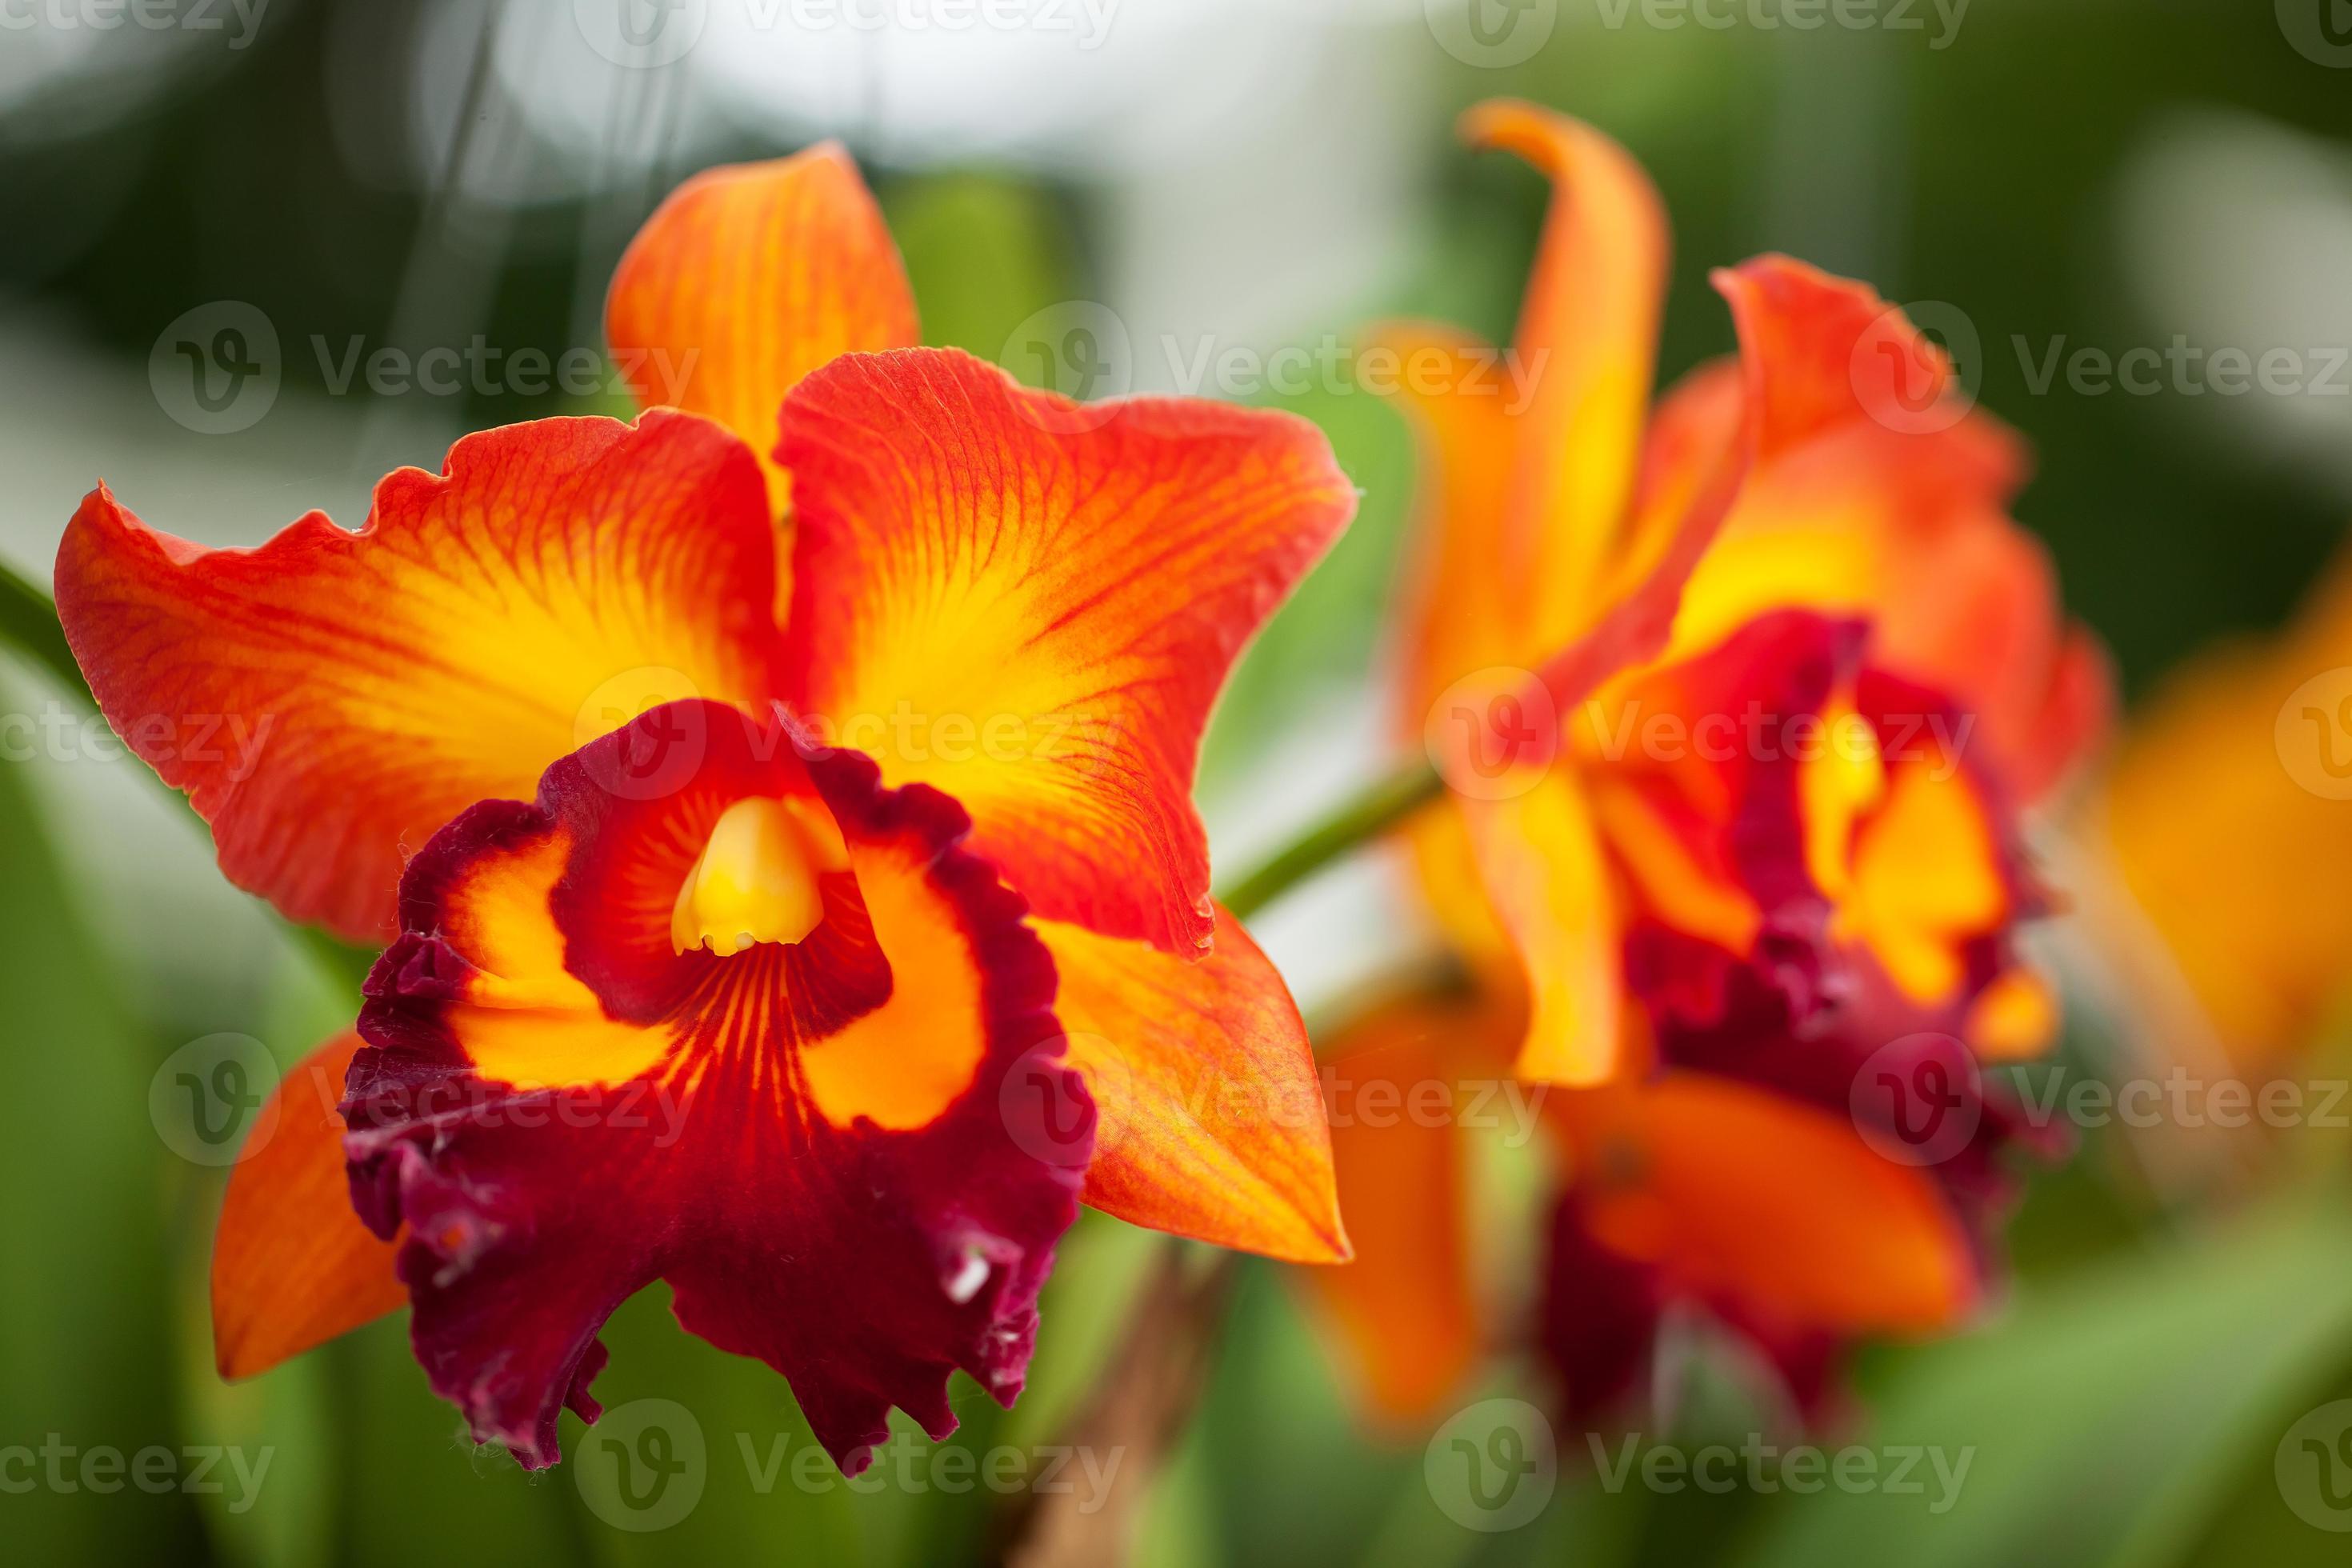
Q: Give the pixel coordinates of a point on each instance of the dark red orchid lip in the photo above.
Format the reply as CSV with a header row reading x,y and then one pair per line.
x,y
807,1212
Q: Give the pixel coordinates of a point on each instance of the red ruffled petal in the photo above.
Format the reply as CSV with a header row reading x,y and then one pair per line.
x,y
816,1143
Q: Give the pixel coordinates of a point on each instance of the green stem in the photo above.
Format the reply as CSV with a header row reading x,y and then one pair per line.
x,y
1371,812
28,622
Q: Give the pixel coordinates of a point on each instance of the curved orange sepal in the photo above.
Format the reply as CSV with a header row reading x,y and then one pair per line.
x,y
292,1265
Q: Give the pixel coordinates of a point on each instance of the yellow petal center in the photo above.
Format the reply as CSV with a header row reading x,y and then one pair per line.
x,y
756,880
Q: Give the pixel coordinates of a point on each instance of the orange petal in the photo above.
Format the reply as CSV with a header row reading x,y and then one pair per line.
x,y
1539,859
747,278
1910,530
1031,605
1739,1192
1210,1119
292,1265
1460,605
330,700
2225,815
1587,338
1805,349
1405,1310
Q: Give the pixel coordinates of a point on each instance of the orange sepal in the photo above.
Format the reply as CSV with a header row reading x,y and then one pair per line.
x,y
1409,1323
1540,860
2224,813
1209,1115
292,1265
1739,1193
1587,338
748,278
1456,619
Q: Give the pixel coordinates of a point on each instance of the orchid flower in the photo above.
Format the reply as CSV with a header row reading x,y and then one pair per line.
x,y
776,815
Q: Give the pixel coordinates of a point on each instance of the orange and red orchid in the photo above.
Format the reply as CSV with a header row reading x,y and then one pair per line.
x,y
2223,819
776,813
1769,827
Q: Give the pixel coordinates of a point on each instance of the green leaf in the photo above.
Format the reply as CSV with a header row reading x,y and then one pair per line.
x,y
2106,1418
85,1300
28,622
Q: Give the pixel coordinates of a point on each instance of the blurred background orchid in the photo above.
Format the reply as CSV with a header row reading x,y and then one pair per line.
x,y
368,227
